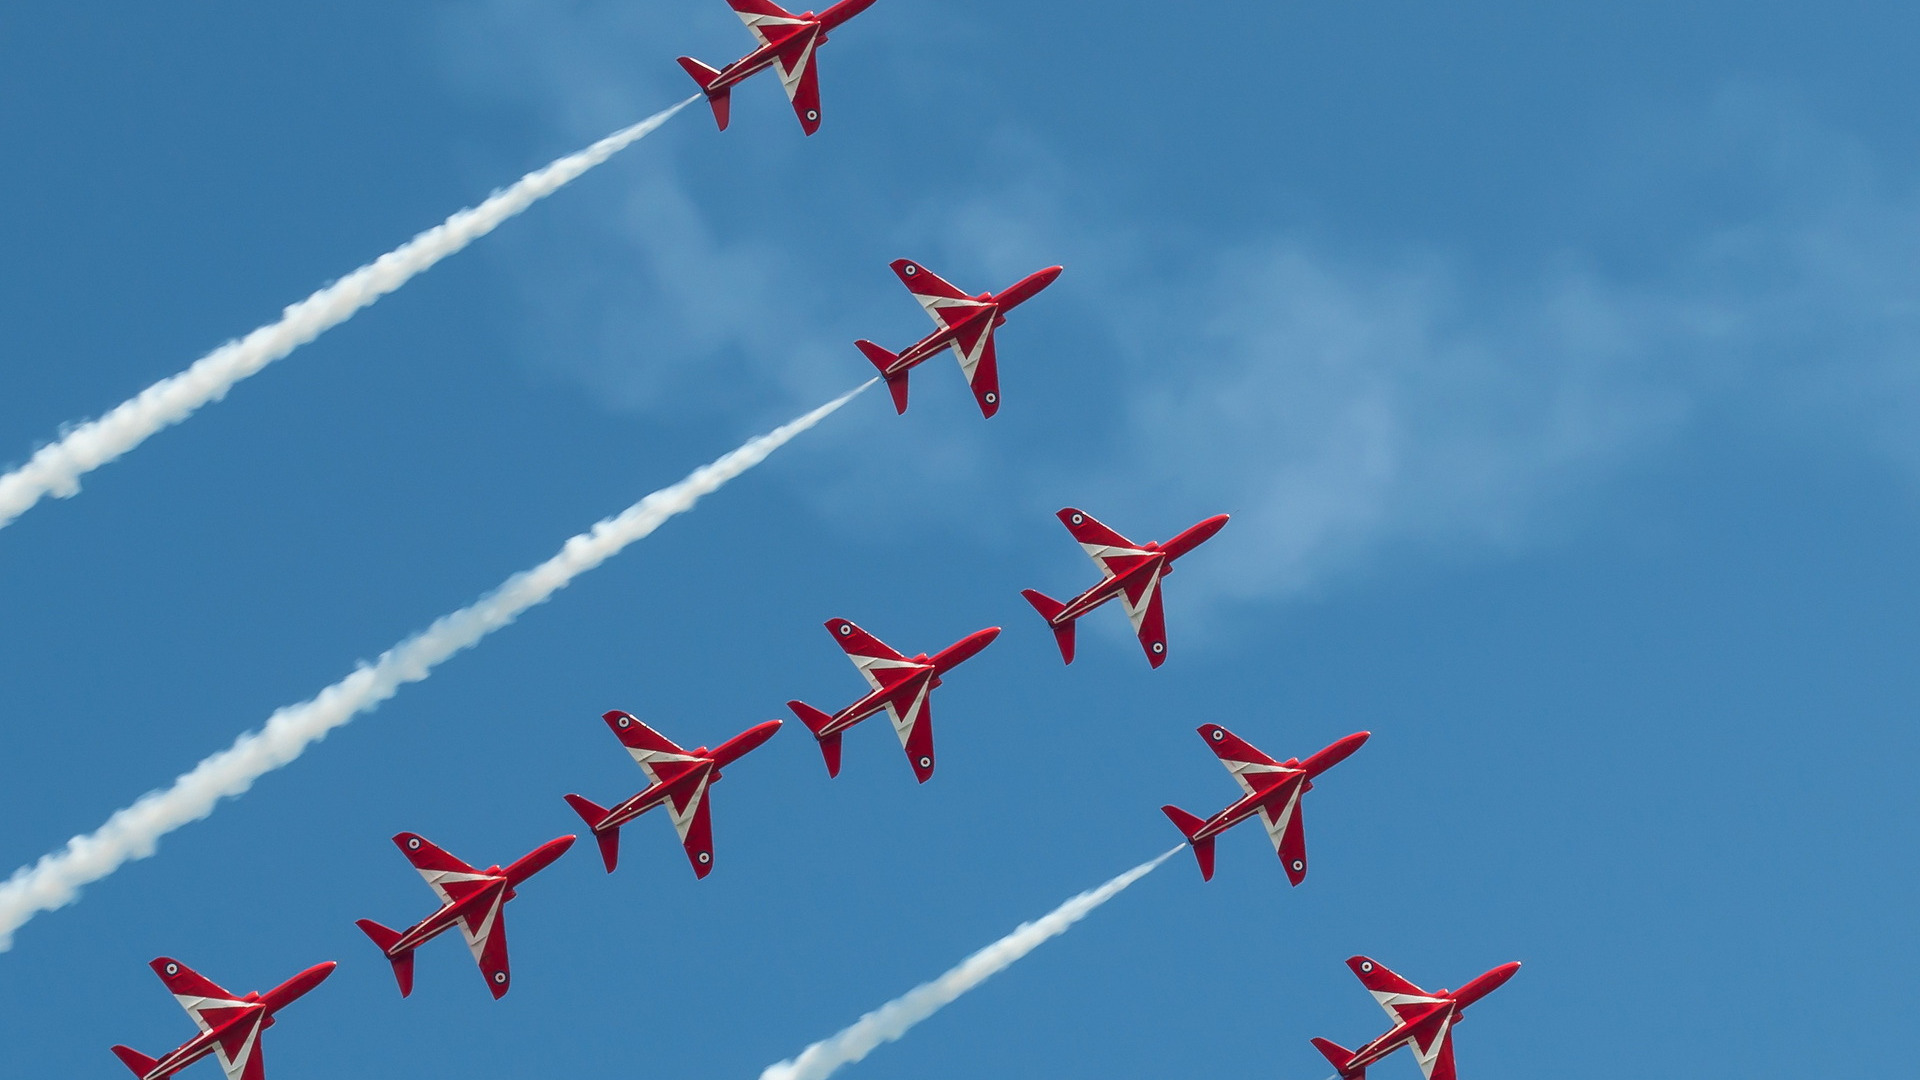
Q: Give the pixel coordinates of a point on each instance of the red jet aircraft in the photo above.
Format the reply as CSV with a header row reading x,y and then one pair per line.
x,y
1421,1020
966,325
900,686
469,899
1133,572
676,778
230,1025
787,44
1273,790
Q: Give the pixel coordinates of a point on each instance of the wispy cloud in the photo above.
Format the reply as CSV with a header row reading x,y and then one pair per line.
x,y
1344,402
134,832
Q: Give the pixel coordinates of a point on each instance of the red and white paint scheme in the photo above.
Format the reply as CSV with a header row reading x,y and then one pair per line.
x,y
1422,1021
469,899
1132,573
676,779
1273,790
230,1024
787,45
966,325
901,686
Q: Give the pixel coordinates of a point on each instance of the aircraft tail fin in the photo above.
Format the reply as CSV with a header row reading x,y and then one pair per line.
x,y
609,840
704,75
1188,825
1049,609
141,1064
816,721
1339,1056
882,359
387,939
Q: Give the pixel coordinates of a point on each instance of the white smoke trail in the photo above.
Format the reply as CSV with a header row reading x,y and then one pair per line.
x,y
133,833
892,1020
56,469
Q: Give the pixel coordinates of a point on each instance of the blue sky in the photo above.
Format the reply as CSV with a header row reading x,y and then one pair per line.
x,y
1557,368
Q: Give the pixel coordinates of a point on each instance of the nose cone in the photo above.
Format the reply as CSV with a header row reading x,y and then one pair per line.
x,y
1026,287
295,988
1337,753
964,649
1195,536
1486,984
744,743
536,860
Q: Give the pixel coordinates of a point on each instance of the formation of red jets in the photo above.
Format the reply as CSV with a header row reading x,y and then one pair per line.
x,y
474,900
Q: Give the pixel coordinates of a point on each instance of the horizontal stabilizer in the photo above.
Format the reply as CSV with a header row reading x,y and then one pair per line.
x,y
141,1064
1338,1056
1188,824
705,76
387,939
884,360
590,812
1049,609
593,814
816,722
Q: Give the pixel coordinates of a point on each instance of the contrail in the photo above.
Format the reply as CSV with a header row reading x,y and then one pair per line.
x,y
892,1020
134,832
56,469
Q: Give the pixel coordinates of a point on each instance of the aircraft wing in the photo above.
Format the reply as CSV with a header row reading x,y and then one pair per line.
x,y
205,1001
1401,999
239,1050
879,663
1250,768
211,1006
693,820
1141,599
1112,553
486,932
449,878
973,347
656,754
1432,1046
944,304
800,76
1281,815
912,716
766,21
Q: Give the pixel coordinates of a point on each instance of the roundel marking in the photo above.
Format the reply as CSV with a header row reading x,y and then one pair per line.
x,y
500,977
626,721
992,397
413,843
706,857
173,969
926,763
813,114
845,629
1159,647
1366,965
1218,734
1078,518
1299,865
910,269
